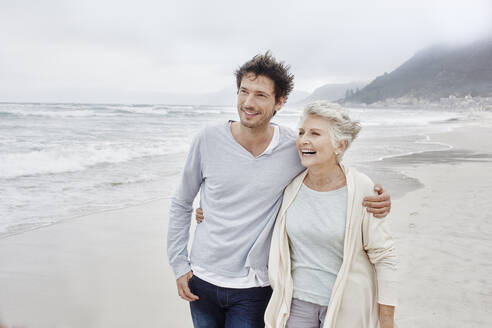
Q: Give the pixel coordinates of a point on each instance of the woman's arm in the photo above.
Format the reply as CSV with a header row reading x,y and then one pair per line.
x,y
379,246
386,316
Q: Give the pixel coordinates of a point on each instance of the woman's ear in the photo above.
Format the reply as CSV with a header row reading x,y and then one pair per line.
x,y
342,146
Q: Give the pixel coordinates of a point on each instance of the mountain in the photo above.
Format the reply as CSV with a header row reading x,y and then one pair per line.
x,y
296,96
435,72
332,92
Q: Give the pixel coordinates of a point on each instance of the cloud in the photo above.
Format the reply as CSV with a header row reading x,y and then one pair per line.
x,y
194,46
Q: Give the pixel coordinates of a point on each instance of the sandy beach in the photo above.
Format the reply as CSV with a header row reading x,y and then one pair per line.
x,y
110,269
103,270
444,233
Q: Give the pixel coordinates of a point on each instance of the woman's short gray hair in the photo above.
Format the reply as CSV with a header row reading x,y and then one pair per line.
x,y
344,129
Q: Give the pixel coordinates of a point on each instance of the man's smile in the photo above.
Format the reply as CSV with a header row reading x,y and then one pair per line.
x,y
249,112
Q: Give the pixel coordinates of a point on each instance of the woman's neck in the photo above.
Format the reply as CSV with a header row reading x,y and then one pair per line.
x,y
325,177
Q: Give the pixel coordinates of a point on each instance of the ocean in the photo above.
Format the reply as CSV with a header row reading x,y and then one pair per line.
x,y
59,161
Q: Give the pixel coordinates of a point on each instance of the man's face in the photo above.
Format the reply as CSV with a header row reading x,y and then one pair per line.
x,y
256,100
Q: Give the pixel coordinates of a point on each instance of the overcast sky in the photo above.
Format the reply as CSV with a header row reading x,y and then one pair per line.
x,y
105,50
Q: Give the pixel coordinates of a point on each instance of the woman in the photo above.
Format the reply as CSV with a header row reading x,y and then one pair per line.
x,y
331,263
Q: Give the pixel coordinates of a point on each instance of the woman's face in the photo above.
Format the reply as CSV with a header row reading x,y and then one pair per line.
x,y
314,142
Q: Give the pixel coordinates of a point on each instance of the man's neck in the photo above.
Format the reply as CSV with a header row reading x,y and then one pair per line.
x,y
254,140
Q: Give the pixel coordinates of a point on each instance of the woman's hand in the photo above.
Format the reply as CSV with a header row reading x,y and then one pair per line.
x,y
199,215
379,205
386,316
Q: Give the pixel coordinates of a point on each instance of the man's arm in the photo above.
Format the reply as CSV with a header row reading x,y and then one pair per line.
x,y
179,220
379,205
198,216
386,316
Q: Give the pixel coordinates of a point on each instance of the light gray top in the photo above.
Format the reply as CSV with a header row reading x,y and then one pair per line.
x,y
315,225
240,196
253,279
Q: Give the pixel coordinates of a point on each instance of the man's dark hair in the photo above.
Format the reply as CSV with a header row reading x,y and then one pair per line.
x,y
268,66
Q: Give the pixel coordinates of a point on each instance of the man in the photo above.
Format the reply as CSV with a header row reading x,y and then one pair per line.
x,y
241,169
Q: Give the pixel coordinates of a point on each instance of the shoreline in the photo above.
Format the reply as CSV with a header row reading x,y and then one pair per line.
x,y
387,169
6,235
369,166
391,169
33,219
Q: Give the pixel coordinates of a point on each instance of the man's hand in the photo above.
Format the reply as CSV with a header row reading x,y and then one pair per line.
x,y
199,215
386,316
183,289
379,205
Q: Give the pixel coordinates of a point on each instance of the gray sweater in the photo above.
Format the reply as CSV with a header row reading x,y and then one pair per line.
x,y
240,196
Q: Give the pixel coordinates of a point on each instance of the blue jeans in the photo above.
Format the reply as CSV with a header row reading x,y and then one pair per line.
x,y
220,307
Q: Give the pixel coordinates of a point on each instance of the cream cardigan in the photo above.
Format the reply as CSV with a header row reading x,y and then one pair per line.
x,y
368,272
